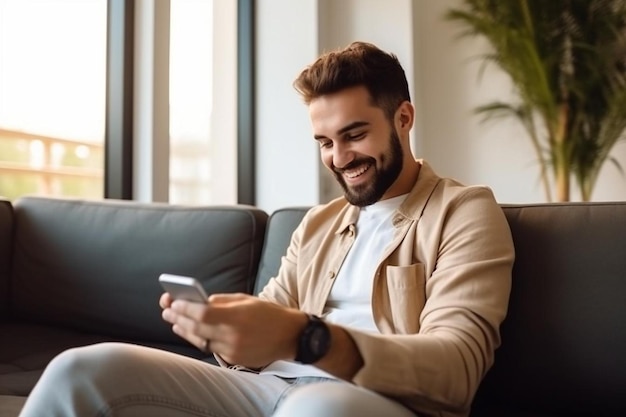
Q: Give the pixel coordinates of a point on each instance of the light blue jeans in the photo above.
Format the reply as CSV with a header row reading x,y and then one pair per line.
x,y
123,380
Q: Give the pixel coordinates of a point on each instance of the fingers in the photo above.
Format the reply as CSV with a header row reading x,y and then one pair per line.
x,y
201,342
206,325
196,311
194,331
166,300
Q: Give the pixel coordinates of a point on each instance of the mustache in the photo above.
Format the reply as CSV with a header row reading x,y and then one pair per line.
x,y
354,164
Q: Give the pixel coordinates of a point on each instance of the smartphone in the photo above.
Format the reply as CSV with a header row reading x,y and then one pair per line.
x,y
183,288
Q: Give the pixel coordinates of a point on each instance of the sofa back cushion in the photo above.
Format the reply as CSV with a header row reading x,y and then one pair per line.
x,y
94,266
565,334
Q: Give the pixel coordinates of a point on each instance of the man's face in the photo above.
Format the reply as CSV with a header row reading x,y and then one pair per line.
x,y
357,143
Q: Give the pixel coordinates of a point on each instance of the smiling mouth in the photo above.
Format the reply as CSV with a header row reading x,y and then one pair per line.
x,y
356,172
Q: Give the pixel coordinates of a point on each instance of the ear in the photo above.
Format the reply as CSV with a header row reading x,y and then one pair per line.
x,y
405,116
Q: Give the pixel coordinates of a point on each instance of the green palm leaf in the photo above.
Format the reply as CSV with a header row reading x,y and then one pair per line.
x,y
567,62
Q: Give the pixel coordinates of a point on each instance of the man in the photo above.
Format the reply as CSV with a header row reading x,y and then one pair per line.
x,y
387,303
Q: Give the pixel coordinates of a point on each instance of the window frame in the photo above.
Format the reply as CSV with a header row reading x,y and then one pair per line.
x,y
118,165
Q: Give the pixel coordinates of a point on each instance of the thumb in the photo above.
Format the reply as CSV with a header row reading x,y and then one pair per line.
x,y
225,298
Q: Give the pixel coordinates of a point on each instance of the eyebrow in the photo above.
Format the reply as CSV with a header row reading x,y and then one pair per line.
x,y
347,128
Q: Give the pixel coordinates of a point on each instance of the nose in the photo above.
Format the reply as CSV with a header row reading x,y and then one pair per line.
x,y
342,156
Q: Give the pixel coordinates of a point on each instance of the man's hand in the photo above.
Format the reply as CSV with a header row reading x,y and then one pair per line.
x,y
242,329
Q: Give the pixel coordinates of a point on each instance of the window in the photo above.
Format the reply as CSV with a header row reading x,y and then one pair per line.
x,y
52,97
53,100
202,102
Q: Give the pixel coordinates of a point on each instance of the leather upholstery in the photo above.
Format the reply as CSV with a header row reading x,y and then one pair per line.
x,y
6,249
280,227
84,272
565,333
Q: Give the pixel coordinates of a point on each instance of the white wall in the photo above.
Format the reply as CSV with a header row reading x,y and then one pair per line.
x,y
445,89
290,36
286,40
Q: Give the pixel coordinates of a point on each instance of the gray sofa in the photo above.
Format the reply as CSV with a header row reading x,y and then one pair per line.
x,y
76,272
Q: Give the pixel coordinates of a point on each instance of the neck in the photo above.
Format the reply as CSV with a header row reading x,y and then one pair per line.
x,y
405,181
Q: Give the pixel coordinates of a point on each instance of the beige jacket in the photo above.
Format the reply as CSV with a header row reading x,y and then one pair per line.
x,y
439,294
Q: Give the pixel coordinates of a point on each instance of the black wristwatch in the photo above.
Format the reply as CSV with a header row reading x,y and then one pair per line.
x,y
314,341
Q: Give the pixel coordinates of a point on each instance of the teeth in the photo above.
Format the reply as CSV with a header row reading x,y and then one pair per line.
x,y
356,172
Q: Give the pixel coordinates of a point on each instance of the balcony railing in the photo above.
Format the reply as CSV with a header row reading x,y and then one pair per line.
x,y
39,164
45,165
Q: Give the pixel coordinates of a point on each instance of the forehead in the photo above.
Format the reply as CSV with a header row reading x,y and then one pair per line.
x,y
331,112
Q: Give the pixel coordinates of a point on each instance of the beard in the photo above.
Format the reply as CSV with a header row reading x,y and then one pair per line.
x,y
391,165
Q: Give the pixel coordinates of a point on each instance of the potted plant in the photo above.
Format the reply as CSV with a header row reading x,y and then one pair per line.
x,y
567,62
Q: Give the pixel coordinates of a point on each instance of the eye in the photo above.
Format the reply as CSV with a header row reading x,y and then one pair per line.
x,y
356,136
325,143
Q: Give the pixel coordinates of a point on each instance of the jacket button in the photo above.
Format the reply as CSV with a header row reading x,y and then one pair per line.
x,y
331,274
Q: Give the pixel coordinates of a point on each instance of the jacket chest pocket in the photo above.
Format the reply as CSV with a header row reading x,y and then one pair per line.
x,y
407,296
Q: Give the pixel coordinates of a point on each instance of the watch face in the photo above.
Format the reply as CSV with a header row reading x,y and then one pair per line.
x,y
319,340
314,341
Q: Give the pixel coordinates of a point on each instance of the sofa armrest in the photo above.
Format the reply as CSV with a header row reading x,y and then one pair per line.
x,y
6,247
280,226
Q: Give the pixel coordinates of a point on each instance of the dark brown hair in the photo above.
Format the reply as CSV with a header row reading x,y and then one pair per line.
x,y
358,64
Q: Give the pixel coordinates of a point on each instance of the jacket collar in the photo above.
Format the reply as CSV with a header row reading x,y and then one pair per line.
x,y
413,206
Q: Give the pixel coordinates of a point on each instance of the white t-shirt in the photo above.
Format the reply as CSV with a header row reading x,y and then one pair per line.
x,y
350,301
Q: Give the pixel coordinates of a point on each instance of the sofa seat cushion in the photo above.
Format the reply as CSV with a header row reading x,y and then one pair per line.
x,y
31,347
